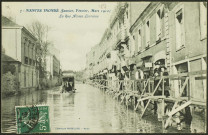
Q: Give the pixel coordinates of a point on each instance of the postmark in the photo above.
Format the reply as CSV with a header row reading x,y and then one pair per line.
x,y
32,119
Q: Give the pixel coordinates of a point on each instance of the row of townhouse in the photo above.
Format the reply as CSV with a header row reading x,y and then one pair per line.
x,y
148,34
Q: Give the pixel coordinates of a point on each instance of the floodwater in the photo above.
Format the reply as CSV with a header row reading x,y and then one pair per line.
x,y
89,110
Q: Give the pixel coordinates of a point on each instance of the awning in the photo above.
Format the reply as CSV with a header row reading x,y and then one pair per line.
x,y
159,55
147,57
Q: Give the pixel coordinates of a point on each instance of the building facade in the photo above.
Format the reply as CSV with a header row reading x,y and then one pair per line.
x,y
22,46
188,41
53,66
152,35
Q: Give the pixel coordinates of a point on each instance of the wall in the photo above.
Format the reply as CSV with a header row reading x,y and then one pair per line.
x,y
11,38
193,44
149,14
56,66
54,51
49,64
136,8
31,76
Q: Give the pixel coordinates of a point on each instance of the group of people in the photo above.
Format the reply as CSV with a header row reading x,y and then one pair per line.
x,y
67,86
138,74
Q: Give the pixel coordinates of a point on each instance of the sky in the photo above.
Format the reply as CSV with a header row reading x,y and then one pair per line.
x,y
74,37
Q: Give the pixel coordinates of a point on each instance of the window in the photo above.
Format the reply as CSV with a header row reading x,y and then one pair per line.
x,y
179,29
25,78
139,40
29,61
26,60
147,33
132,47
203,19
24,48
159,16
32,78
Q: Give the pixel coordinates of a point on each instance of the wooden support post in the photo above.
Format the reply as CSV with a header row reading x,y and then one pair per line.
x,y
157,86
145,108
123,97
177,100
163,94
169,118
161,79
184,85
134,102
152,93
142,93
179,108
149,87
139,100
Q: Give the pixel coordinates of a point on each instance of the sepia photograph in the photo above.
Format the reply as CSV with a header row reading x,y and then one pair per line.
x,y
103,67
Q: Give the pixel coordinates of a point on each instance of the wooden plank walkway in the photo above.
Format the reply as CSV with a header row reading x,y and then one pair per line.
x,y
130,89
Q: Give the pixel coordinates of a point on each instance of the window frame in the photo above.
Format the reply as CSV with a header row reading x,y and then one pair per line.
x,y
160,19
180,7
139,45
146,44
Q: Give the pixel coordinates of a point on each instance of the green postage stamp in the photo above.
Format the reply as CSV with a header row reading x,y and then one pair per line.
x,y
32,119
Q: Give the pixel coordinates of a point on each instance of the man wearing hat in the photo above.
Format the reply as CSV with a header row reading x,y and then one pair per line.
x,y
120,77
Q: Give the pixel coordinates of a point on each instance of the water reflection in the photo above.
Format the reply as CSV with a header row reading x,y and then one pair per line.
x,y
87,110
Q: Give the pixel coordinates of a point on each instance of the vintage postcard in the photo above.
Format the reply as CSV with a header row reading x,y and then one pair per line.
x,y
103,67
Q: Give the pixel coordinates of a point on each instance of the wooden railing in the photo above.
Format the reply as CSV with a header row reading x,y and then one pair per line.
x,y
191,85
181,89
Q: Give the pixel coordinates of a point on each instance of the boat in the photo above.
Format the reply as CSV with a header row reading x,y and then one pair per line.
x,y
68,85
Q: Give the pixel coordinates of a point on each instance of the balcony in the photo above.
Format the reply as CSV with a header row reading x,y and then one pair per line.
x,y
119,9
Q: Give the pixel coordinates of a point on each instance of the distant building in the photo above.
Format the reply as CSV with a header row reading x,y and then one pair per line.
x,y
56,66
20,45
91,61
53,65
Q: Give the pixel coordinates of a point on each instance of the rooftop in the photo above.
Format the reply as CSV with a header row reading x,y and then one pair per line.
x,y
7,22
6,58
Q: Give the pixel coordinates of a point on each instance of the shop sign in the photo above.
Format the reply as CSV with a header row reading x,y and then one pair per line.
x,y
148,64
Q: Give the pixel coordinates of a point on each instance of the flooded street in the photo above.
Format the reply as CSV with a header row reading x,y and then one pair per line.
x,y
87,110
